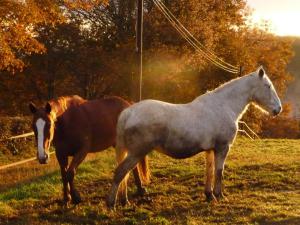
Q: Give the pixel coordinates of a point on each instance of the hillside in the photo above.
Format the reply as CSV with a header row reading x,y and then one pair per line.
x,y
293,92
294,65
261,183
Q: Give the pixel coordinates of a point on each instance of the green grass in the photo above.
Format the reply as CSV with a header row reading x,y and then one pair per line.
x,y
261,179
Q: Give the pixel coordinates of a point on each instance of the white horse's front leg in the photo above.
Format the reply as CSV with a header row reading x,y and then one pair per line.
x,y
221,151
209,175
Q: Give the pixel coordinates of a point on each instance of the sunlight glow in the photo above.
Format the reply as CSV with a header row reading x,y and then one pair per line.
x,y
284,16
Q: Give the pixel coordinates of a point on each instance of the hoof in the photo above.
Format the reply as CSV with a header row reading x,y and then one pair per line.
x,y
124,202
141,192
76,199
111,204
66,205
145,200
67,198
210,197
220,196
65,202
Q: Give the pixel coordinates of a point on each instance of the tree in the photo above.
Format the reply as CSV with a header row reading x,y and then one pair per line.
x,y
18,19
91,52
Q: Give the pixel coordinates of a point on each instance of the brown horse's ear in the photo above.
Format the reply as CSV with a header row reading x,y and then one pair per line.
x,y
32,107
261,72
48,108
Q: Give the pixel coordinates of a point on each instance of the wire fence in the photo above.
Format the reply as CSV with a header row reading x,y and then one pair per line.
x,y
26,172
3,167
20,162
246,131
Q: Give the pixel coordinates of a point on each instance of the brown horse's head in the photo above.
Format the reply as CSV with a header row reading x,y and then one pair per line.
x,y
43,127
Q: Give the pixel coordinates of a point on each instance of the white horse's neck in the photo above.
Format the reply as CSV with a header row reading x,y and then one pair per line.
x,y
237,95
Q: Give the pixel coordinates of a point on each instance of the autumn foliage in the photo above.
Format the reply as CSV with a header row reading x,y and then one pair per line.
x,y
87,47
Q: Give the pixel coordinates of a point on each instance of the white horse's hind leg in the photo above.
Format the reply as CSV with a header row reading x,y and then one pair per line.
x,y
122,191
122,170
210,167
138,183
121,154
221,151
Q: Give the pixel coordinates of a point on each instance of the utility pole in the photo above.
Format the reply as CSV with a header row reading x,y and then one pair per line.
x,y
50,77
139,44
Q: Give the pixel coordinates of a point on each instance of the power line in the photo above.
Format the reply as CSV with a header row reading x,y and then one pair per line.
x,y
195,39
209,55
187,36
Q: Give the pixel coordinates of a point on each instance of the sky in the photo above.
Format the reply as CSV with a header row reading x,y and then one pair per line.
x,y
284,15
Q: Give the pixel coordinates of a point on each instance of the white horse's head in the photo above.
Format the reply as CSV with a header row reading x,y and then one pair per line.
x,y
264,93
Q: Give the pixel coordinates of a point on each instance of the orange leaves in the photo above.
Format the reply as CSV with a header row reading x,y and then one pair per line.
x,y
19,20
84,4
17,36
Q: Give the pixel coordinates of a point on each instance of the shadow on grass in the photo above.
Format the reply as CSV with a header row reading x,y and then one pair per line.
x,y
25,189
266,176
59,215
42,186
268,221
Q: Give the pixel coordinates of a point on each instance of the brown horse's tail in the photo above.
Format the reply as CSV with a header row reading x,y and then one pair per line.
x,y
144,170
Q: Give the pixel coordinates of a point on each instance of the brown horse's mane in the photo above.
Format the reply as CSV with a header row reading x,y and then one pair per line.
x,y
61,104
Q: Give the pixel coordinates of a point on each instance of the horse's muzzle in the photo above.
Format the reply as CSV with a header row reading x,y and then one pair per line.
x,y
44,160
277,111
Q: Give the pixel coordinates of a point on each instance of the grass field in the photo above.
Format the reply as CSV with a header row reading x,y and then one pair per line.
x,y
262,185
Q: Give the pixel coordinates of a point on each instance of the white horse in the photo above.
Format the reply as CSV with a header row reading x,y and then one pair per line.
x,y
209,123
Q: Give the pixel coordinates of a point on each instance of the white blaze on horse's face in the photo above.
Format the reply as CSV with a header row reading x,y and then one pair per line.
x,y
43,127
265,94
42,141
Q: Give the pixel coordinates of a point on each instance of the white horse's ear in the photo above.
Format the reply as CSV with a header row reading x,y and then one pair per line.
x,y
261,72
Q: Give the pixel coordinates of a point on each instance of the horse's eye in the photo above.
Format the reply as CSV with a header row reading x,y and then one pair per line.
x,y
268,86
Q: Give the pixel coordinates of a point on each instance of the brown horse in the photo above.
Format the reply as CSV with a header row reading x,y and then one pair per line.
x,y
78,127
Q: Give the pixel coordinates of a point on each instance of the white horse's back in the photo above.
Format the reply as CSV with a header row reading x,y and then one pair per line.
x,y
166,125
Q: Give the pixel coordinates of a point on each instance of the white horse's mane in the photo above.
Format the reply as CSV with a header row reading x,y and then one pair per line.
x,y
232,82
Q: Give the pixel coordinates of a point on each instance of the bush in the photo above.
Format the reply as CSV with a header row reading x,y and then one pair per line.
x,y
282,126
17,148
